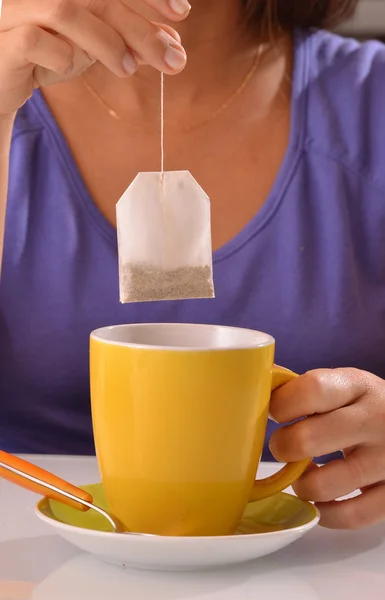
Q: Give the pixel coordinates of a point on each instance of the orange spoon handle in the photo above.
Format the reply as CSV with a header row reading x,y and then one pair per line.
x,y
33,478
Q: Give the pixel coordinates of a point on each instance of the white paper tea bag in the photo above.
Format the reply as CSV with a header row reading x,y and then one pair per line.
x,y
164,239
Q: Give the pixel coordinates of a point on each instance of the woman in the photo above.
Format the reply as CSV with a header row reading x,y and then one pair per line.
x,y
283,126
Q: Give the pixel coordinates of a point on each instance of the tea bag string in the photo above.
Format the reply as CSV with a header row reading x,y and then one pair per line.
x,y
162,158
161,124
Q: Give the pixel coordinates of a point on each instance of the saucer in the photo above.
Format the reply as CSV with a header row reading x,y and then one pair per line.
x,y
266,526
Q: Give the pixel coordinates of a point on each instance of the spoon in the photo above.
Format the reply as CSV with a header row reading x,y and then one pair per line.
x,y
33,478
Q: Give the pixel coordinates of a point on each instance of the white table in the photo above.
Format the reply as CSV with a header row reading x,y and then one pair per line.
x,y
36,565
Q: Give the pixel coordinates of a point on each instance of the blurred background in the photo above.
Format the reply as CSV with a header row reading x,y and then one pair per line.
x,y
369,21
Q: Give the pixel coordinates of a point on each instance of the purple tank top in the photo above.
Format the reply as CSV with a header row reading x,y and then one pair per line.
x,y
308,268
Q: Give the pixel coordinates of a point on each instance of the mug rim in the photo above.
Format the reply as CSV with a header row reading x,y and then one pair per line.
x,y
265,338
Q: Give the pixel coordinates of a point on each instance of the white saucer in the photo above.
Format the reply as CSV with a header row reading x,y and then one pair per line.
x,y
266,526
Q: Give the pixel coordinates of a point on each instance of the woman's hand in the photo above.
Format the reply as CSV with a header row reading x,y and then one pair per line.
x,y
46,41
345,410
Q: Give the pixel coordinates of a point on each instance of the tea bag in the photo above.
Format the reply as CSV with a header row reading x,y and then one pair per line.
x,y
164,237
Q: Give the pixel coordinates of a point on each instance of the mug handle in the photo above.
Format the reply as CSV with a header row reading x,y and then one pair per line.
x,y
264,488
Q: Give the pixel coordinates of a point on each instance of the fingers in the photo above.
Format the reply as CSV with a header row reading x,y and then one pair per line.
x,y
92,35
107,30
170,31
319,435
176,10
151,44
361,468
317,391
29,48
72,21
81,62
355,513
30,44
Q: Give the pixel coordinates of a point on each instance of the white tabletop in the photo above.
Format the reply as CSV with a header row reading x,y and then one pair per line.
x,y
36,565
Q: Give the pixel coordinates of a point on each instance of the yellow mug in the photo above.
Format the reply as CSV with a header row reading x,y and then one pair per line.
x,y
179,415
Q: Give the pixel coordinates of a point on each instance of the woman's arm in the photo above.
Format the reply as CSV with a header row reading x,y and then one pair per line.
x,y
6,125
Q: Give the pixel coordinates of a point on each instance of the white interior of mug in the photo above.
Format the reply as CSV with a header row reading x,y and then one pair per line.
x,y
182,336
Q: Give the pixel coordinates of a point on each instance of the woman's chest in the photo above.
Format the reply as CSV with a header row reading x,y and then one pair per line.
x,y
236,166
307,268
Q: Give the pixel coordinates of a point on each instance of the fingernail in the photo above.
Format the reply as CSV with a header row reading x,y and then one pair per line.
x,y
180,7
175,59
129,64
